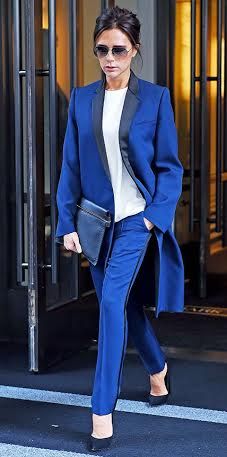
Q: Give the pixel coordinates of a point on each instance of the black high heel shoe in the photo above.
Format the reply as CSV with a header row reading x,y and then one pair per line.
x,y
95,444
99,443
155,400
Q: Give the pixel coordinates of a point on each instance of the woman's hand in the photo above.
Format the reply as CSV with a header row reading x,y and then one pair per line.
x,y
72,243
148,223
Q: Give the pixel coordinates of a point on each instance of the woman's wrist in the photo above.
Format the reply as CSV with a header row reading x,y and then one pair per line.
x,y
148,223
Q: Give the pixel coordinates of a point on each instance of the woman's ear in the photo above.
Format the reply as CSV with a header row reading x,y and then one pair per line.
x,y
136,47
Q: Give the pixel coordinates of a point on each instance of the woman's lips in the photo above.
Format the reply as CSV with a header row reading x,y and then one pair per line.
x,y
110,68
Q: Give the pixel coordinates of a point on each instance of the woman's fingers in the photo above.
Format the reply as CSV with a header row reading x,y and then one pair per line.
x,y
76,242
71,242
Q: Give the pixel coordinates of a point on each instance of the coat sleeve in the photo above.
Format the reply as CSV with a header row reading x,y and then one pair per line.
x,y
69,185
167,168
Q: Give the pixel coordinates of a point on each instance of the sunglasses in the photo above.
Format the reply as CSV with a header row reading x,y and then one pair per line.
x,y
117,51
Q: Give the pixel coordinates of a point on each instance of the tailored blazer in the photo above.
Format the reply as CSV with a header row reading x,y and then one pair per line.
x,y
149,147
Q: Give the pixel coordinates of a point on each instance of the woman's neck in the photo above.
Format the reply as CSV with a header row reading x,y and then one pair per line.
x,y
117,83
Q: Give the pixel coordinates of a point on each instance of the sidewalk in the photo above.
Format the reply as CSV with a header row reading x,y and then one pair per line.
x,y
52,411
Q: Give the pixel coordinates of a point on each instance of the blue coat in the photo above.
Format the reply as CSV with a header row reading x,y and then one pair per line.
x,y
149,148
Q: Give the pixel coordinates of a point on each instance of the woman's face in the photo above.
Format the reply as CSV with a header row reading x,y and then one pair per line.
x,y
113,65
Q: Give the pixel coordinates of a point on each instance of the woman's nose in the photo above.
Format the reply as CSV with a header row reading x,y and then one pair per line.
x,y
109,56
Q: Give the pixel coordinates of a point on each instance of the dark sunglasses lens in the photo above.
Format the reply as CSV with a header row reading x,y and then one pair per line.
x,y
101,51
119,51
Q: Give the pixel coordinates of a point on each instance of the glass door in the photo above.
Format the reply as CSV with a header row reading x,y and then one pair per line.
x,y
198,79
52,53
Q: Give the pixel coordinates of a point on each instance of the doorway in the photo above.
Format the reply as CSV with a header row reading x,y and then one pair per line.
x,y
195,69
47,291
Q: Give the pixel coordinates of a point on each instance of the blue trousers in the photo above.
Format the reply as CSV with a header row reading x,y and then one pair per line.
x,y
120,313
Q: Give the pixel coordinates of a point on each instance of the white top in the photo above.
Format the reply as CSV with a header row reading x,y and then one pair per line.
x,y
127,197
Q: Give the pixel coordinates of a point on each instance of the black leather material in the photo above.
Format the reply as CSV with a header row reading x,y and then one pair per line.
x,y
90,223
96,444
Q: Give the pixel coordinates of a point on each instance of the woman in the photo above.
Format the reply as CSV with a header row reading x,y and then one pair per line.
x,y
120,151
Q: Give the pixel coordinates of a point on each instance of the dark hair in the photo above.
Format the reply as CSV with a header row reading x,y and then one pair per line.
x,y
121,18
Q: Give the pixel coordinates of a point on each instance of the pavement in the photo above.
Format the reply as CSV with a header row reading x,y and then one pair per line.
x,y
49,414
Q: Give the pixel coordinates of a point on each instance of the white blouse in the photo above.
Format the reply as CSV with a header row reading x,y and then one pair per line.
x,y
128,199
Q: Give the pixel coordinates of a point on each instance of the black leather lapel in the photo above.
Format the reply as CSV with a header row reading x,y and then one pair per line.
x,y
97,109
131,104
130,107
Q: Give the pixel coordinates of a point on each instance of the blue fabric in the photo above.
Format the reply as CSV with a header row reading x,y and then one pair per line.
x,y
121,312
153,156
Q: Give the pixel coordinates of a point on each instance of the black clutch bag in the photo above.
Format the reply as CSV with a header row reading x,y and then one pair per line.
x,y
91,221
